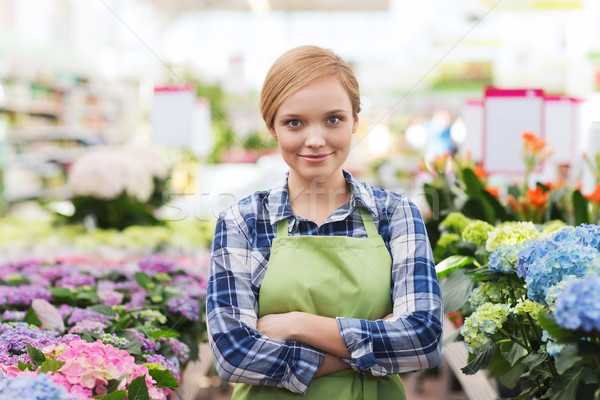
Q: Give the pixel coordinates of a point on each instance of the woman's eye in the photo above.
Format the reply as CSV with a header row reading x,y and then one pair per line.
x,y
333,120
293,123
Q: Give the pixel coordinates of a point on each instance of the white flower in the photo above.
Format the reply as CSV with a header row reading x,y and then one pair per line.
x,y
108,172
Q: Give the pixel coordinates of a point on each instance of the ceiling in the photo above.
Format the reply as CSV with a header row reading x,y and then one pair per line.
x,y
276,5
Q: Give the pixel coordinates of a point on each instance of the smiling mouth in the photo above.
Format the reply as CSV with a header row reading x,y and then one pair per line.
x,y
316,158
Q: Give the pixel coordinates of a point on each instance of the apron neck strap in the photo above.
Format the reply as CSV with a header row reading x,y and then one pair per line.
x,y
282,228
368,223
367,219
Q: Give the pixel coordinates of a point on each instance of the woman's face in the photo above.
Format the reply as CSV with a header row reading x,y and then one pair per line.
x,y
314,128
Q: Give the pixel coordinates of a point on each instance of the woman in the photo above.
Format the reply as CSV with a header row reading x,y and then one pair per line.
x,y
323,286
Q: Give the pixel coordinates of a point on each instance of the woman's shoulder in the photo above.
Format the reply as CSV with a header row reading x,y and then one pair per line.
x,y
385,200
250,207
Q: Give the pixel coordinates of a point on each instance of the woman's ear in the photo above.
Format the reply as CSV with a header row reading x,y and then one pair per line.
x,y
355,124
272,132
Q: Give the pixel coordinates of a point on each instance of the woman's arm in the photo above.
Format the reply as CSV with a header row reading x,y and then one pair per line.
x,y
241,353
314,330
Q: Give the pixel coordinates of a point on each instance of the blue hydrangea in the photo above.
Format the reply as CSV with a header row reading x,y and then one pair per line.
x,y
505,257
578,306
545,263
38,387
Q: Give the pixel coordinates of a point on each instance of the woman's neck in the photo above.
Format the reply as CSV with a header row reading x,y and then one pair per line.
x,y
316,199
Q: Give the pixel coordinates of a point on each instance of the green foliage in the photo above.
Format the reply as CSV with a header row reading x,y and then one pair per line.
x,y
580,206
118,213
138,389
451,263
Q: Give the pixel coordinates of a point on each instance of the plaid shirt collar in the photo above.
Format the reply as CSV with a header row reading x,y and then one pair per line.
x,y
279,207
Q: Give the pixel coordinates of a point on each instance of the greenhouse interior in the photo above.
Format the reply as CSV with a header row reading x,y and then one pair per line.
x,y
149,150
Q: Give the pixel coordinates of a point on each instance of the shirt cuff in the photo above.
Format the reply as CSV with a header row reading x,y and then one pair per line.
x,y
300,373
356,334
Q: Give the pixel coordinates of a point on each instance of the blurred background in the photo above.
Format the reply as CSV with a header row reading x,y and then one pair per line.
x,y
118,113
185,76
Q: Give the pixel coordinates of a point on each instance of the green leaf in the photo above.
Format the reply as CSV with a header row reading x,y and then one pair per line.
x,y
567,357
451,263
555,331
515,354
163,377
590,375
474,209
134,346
90,297
565,386
164,334
118,395
103,309
580,206
511,377
496,205
473,185
113,384
138,389
525,395
486,275
456,289
481,361
144,280
25,366
36,356
534,359
31,318
51,365
60,293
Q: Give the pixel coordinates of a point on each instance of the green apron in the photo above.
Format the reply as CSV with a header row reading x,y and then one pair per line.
x,y
332,276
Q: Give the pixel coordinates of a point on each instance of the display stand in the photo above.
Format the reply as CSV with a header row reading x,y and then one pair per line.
x,y
507,114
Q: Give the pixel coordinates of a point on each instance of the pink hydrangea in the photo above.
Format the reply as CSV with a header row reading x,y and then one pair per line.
x,y
89,366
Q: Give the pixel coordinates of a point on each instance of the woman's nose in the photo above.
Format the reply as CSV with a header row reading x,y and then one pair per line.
x,y
315,137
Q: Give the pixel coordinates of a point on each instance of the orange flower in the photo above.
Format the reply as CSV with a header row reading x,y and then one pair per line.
x,y
550,185
533,143
594,197
493,190
440,161
479,171
537,196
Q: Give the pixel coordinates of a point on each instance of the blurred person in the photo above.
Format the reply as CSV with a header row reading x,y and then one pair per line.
x,y
323,286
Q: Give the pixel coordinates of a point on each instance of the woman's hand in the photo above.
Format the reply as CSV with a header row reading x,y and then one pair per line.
x,y
277,326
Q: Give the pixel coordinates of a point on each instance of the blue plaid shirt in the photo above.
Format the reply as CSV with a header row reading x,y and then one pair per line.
x,y
239,257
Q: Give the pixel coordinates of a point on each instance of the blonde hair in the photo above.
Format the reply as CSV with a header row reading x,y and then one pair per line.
x,y
297,68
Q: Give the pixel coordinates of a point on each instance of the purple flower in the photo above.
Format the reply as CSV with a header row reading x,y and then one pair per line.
x,y
148,345
9,315
578,306
14,339
180,349
83,314
23,295
64,310
157,263
110,297
136,299
75,281
88,326
189,308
